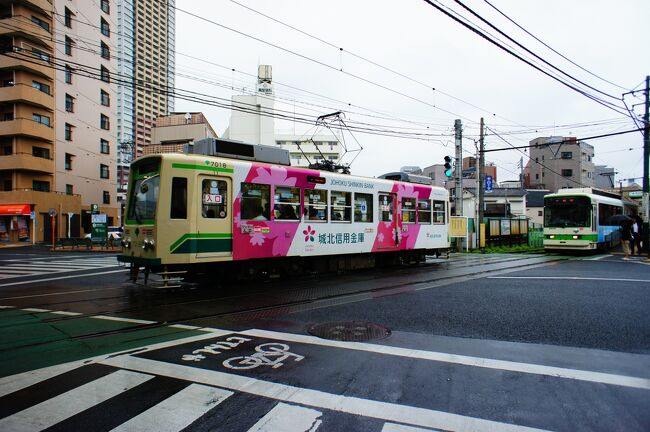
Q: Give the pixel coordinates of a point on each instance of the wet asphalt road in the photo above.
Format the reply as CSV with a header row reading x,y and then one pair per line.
x,y
466,348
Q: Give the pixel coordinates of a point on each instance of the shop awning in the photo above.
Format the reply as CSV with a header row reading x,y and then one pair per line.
x,y
15,209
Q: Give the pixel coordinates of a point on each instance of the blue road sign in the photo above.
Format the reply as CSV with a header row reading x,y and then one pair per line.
x,y
489,184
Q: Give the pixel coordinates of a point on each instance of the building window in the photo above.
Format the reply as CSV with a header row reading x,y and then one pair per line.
x,y
40,54
105,6
104,122
103,171
105,75
41,87
68,161
41,152
41,186
107,197
67,18
68,46
106,31
104,148
105,98
567,155
106,52
567,173
69,103
539,212
44,120
68,74
69,189
7,185
41,23
68,132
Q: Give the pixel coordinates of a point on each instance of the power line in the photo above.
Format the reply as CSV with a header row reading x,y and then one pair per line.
x,y
551,48
606,104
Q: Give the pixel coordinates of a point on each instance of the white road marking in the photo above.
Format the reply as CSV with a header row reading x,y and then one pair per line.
x,y
66,313
64,406
570,278
582,375
36,310
288,418
128,320
392,427
178,411
317,399
596,258
56,278
23,380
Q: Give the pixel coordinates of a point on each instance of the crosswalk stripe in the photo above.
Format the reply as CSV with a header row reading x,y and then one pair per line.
x,y
14,383
393,427
288,418
64,406
178,411
391,412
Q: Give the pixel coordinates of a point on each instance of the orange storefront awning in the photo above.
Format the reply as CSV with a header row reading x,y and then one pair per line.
x,y
15,209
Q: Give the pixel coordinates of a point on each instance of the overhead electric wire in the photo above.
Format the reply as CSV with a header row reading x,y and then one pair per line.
x,y
318,62
531,52
551,48
606,104
372,62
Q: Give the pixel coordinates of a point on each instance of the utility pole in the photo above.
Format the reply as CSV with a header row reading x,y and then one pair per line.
x,y
458,127
646,172
481,182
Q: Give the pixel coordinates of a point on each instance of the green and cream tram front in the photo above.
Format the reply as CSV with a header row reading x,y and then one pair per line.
x,y
580,221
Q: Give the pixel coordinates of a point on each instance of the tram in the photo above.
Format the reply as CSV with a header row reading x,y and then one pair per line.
x,y
581,219
217,214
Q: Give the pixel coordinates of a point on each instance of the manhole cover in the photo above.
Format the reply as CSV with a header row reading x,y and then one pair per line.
x,y
351,331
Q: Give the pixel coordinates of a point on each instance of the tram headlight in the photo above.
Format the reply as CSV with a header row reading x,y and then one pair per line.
x,y
575,237
148,244
126,243
552,236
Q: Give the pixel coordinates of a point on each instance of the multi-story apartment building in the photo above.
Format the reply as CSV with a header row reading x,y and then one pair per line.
x,y
173,131
147,31
56,60
306,150
558,163
86,138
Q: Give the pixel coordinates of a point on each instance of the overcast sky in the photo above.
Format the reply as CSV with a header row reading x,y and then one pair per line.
x,y
472,78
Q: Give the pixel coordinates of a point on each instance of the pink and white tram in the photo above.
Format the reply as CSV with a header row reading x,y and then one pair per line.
x,y
211,215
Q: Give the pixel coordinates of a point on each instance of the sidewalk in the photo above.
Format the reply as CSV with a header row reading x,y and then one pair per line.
x,y
59,248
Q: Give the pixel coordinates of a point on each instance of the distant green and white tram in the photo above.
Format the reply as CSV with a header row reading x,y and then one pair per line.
x,y
580,220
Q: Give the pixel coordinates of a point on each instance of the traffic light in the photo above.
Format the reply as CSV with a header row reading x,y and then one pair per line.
x,y
448,169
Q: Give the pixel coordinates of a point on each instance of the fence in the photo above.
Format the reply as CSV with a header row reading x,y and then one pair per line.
x,y
511,232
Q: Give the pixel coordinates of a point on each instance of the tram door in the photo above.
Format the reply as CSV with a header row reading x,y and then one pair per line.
x,y
388,213
214,220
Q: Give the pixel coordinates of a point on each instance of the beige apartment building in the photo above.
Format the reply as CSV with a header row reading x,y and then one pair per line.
x,y
558,163
173,131
55,121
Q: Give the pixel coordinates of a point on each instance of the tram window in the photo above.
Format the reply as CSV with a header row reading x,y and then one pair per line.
x,y
214,195
341,206
362,207
178,208
385,208
408,210
424,212
316,205
286,204
438,212
255,201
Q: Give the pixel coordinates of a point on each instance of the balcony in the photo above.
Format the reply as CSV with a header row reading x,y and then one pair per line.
x,y
27,162
23,93
28,128
43,6
25,28
25,61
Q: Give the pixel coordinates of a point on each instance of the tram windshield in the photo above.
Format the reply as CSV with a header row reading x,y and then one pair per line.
x,y
567,211
144,192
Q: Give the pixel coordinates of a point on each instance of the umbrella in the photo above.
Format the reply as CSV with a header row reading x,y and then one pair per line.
x,y
620,219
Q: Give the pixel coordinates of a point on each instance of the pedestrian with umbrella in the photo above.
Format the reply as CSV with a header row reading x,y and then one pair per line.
x,y
626,233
